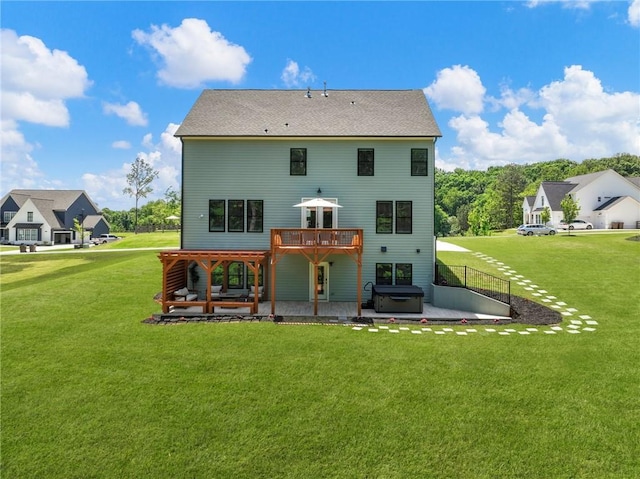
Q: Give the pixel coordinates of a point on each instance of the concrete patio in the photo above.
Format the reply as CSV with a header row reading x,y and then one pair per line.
x,y
343,310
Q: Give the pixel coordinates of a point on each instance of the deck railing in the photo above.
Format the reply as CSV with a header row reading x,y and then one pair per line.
x,y
321,238
474,280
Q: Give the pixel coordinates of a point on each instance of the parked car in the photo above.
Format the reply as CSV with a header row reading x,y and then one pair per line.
x,y
575,225
535,229
105,238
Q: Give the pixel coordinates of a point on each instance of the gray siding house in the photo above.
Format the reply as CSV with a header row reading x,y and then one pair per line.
x,y
250,156
46,217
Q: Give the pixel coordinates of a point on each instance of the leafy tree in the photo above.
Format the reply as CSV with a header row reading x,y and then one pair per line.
x,y
139,180
442,226
545,215
479,224
172,198
79,229
462,215
506,193
570,209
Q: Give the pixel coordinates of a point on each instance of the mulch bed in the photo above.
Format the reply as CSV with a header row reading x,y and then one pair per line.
x,y
526,311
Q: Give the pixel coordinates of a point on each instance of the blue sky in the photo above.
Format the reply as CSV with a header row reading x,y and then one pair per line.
x,y
89,86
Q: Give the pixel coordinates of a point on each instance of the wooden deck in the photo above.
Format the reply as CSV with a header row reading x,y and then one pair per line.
x,y
316,245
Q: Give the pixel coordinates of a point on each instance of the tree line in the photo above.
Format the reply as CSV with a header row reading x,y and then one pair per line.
x,y
468,202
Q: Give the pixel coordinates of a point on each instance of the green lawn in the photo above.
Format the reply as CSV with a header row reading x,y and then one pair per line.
x,y
90,391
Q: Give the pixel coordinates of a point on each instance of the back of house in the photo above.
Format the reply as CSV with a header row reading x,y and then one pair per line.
x,y
250,156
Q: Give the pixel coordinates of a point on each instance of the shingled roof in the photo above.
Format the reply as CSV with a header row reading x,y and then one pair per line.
x,y
287,113
556,191
59,199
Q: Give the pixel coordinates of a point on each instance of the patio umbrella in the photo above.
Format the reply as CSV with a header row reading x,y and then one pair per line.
x,y
172,217
317,203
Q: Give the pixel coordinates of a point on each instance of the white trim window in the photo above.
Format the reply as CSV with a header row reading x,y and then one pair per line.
x,y
26,234
8,216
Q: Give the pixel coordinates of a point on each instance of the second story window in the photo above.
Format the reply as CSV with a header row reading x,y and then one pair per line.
x,y
8,216
365,161
255,216
384,216
419,162
216,215
404,214
298,162
30,216
236,216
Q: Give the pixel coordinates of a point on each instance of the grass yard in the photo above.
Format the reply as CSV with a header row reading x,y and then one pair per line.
x,y
90,391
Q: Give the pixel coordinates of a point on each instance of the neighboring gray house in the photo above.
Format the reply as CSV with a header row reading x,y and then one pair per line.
x,y
249,156
606,199
46,217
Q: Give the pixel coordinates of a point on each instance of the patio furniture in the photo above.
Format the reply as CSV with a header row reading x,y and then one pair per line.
x,y
216,291
185,295
252,293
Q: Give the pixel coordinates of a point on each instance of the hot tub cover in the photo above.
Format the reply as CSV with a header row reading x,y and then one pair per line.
x,y
397,290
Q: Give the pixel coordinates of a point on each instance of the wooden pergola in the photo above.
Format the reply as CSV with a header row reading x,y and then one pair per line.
x,y
316,245
175,264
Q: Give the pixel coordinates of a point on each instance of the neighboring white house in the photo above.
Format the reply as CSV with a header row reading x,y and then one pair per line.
x,y
47,217
605,198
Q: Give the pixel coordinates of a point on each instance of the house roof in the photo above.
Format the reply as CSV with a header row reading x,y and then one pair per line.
x,y
90,221
612,202
530,200
583,180
45,207
60,199
556,191
290,113
635,180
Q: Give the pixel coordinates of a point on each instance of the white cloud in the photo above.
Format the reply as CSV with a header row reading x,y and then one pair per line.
x,y
511,99
634,13
106,188
36,80
121,145
577,4
457,88
36,83
18,168
579,120
293,77
192,54
131,112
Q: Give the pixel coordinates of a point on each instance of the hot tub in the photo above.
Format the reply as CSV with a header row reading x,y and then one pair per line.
x,y
397,298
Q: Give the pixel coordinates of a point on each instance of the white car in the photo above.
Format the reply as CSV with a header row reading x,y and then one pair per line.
x,y
575,225
535,229
105,238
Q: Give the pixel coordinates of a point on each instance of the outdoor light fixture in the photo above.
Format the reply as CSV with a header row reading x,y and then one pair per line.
x,y
201,216
418,251
319,191
383,249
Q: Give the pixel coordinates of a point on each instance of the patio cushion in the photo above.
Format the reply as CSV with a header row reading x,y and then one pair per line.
x,y
182,292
